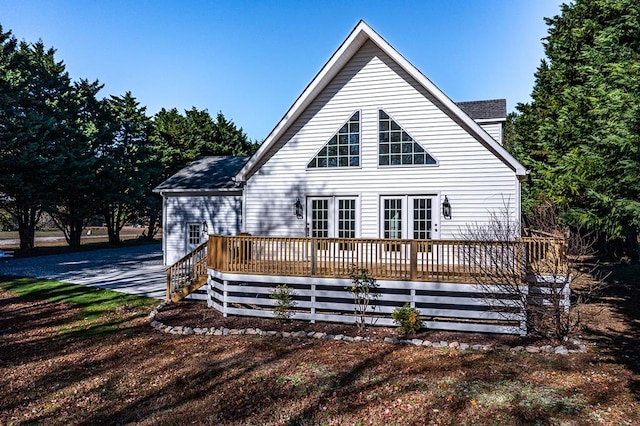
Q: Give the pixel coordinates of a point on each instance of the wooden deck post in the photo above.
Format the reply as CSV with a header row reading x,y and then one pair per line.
x,y
314,256
224,254
413,260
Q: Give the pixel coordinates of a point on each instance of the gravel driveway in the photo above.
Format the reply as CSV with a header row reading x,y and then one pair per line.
x,y
136,270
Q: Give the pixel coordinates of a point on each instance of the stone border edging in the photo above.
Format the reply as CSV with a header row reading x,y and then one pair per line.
x,y
212,331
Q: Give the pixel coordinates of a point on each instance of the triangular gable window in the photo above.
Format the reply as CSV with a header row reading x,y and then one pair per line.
x,y
343,149
396,147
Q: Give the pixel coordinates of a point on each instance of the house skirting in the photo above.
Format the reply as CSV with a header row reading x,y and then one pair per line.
x,y
443,306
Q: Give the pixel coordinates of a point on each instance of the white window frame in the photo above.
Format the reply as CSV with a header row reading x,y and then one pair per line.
x,y
325,145
403,129
190,245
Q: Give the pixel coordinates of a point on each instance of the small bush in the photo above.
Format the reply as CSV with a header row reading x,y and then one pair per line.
x,y
362,289
408,319
283,296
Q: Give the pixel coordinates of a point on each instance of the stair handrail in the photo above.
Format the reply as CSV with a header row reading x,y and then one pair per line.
x,y
187,270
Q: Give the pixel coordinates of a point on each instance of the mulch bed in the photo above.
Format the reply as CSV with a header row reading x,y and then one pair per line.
x,y
196,314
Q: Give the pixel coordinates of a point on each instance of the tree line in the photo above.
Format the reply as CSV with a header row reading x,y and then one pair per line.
x,y
65,152
76,157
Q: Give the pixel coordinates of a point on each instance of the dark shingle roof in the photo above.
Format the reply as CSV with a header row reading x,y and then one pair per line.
x,y
482,110
206,173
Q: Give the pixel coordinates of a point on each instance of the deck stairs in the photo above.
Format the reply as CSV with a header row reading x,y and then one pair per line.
x,y
188,274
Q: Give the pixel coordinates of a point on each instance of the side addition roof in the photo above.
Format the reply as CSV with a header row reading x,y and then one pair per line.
x,y
206,174
489,110
360,34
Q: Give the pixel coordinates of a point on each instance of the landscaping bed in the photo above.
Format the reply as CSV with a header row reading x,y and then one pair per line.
x,y
196,314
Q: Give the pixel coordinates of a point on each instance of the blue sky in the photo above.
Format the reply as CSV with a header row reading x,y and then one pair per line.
x,y
251,59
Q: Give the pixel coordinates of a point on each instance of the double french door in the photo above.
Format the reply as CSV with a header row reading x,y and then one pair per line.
x,y
408,217
332,217
401,217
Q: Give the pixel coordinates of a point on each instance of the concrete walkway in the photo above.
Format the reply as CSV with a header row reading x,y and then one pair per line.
x,y
135,270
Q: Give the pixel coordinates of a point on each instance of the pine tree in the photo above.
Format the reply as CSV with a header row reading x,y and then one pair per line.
x,y
121,173
580,135
36,108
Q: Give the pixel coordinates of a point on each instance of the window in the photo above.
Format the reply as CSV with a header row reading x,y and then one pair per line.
x,y
343,149
396,147
194,235
320,218
346,218
422,218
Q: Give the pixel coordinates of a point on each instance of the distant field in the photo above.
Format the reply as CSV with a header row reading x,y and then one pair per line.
x,y
55,237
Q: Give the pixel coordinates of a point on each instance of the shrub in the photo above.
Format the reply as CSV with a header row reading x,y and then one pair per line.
x,y
363,290
283,296
408,319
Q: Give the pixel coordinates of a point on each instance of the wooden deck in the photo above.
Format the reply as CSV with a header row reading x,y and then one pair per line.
x,y
456,285
413,260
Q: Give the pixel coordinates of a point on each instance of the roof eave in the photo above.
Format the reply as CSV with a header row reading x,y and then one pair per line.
x,y
347,49
196,190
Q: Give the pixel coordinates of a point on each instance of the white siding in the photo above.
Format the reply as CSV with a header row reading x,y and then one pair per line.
x,y
222,214
475,181
494,130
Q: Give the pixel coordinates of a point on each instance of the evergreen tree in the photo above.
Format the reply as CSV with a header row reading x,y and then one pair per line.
x,y
180,139
121,174
92,128
580,135
35,107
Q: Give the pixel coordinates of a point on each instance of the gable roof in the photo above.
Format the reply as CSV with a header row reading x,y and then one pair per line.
x,y
205,174
360,34
493,109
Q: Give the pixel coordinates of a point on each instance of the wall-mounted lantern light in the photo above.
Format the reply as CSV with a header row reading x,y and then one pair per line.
x,y
205,227
446,208
298,208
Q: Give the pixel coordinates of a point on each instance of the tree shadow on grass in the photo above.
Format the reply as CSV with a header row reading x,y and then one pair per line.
x,y
618,335
205,382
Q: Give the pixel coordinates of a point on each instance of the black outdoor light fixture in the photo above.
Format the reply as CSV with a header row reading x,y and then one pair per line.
x,y
446,208
205,227
298,208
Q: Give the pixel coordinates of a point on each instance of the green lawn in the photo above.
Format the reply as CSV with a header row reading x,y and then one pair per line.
x,y
91,303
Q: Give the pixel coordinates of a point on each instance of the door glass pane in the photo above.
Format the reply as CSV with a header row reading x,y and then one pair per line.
x,y
346,218
422,218
320,218
393,218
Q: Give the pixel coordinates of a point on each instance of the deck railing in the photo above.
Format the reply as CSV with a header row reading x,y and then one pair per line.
x,y
187,272
415,260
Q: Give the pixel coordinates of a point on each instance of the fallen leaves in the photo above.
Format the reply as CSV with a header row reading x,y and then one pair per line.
x,y
147,377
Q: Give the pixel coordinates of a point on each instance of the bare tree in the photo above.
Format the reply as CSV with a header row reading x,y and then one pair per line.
x,y
532,273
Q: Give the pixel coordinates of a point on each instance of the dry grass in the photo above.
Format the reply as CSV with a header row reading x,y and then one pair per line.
x,y
57,367
52,241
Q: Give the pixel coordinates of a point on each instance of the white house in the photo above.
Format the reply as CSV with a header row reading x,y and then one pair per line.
x,y
375,168
370,149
